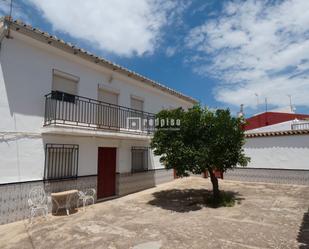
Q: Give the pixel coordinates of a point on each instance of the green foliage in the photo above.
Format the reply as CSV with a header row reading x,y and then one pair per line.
x,y
206,140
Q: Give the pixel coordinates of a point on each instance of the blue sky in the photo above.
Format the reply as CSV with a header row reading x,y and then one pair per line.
x,y
223,53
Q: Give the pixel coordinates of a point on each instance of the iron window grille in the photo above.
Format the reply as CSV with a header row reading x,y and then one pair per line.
x,y
61,161
139,159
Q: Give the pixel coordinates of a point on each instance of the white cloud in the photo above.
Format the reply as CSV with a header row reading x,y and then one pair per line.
x,y
122,27
17,10
255,47
170,51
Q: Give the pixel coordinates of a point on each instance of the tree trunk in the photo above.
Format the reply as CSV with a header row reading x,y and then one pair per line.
x,y
215,185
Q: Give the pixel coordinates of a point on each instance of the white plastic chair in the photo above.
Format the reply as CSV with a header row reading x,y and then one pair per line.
x,y
89,194
37,202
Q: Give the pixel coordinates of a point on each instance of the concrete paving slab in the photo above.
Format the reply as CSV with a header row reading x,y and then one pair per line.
x,y
174,215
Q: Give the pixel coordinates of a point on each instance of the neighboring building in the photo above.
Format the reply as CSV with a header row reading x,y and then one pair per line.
x,y
271,118
295,124
278,145
72,120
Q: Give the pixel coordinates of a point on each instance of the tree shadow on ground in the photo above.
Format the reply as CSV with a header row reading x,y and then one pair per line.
x,y
62,212
303,234
186,200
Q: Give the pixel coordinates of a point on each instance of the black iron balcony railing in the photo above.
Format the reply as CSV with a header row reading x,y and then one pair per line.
x,y
72,110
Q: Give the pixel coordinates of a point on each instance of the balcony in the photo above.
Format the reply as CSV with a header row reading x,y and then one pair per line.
x,y
64,109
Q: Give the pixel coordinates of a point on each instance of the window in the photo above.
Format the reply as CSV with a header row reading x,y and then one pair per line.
x,y
137,104
136,115
139,159
64,86
108,97
108,116
61,161
58,95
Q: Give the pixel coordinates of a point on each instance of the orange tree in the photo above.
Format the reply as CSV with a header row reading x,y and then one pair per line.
x,y
203,140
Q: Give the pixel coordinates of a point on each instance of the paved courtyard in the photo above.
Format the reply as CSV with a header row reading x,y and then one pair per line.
x,y
174,215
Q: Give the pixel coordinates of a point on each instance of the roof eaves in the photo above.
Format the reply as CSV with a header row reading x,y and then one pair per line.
x,y
277,133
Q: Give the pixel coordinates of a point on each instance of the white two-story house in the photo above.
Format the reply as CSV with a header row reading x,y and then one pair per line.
x,y
72,120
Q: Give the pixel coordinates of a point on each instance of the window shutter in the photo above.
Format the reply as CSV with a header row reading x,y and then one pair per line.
x,y
137,104
65,85
108,97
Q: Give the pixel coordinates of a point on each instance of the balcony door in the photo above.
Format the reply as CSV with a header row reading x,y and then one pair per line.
x,y
64,90
108,110
137,105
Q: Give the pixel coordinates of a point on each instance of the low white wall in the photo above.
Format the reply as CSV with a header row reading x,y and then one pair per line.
x,y
278,152
22,157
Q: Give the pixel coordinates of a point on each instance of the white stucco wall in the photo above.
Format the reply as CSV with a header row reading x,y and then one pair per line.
x,y
26,76
278,152
22,158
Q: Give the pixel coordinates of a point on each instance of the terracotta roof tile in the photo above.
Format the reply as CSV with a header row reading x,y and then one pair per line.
x,y
277,133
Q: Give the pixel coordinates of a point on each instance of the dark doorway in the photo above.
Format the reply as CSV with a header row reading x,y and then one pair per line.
x,y
106,172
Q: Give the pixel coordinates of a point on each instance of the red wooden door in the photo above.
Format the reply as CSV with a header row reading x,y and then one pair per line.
x,y
106,172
